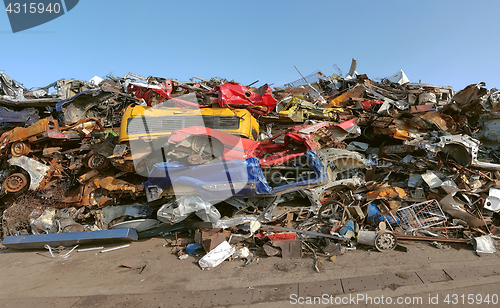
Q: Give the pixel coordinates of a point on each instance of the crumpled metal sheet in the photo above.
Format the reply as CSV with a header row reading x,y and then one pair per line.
x,y
490,127
180,209
340,100
45,223
36,170
112,184
391,192
30,133
26,116
103,103
456,209
110,213
297,109
492,202
435,118
470,93
237,96
397,128
14,94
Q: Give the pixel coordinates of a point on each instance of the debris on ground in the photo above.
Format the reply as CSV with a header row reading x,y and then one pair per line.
x,y
314,168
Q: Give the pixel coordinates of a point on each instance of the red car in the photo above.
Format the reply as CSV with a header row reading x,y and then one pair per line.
x,y
198,145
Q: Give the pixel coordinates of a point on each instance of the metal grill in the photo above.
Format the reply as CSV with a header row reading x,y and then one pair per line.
x,y
420,215
152,125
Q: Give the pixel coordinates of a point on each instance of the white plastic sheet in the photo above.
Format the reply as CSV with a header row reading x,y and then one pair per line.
x,y
484,244
399,77
217,255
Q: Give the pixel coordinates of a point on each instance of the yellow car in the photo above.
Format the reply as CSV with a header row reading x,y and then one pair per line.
x,y
150,123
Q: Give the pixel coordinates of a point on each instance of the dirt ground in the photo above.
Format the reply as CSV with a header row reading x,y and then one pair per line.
x,y
33,278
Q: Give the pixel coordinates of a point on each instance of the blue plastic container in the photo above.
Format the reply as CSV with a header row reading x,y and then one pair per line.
x,y
349,226
192,248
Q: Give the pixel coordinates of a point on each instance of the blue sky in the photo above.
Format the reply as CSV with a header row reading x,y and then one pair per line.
x,y
438,42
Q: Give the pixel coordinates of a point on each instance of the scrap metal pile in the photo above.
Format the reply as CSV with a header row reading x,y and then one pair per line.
x,y
318,166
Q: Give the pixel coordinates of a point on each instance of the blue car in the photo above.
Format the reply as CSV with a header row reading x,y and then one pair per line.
x,y
221,180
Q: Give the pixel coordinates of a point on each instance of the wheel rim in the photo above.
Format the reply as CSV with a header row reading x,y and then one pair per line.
x,y
329,210
195,159
15,182
18,149
97,161
385,241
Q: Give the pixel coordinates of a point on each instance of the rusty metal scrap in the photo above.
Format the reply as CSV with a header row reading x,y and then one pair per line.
x,y
111,184
340,100
421,160
392,192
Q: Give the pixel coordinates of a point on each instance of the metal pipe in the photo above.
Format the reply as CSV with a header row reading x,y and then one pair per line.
x,y
310,233
115,248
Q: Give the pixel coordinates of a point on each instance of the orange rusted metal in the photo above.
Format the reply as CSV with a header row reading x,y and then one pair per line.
x,y
340,100
391,192
111,184
32,132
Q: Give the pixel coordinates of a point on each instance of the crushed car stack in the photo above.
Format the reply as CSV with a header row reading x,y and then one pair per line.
x,y
318,166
